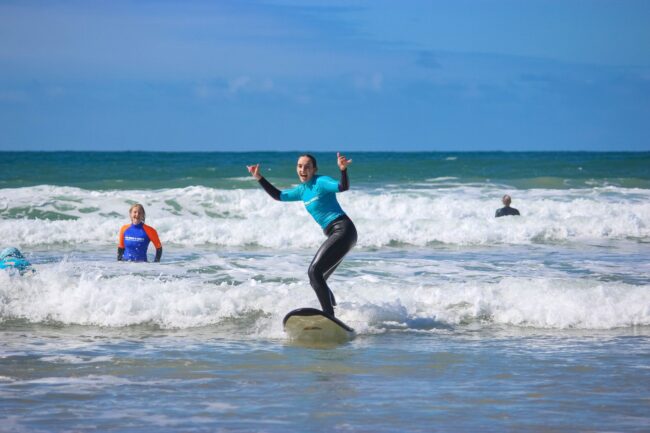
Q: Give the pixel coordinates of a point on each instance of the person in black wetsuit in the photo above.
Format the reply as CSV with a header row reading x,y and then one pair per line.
x,y
318,193
506,209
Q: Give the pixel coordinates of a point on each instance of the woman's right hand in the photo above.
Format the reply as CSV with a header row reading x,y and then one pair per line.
x,y
254,170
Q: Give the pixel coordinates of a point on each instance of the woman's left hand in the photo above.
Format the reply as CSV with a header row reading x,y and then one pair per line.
x,y
342,161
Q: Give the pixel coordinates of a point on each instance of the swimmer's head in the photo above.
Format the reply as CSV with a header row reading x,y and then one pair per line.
x,y
137,213
306,167
10,252
506,200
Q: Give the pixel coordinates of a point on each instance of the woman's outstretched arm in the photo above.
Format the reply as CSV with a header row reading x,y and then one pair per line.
x,y
254,170
344,183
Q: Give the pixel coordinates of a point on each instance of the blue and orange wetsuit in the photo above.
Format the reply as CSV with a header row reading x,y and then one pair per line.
x,y
134,240
319,197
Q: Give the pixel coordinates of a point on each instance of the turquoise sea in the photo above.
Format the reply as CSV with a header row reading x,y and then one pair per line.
x,y
465,322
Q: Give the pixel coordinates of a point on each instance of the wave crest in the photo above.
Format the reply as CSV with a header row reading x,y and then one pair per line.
x,y
49,215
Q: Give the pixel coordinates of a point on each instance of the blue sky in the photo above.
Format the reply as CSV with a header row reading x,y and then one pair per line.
x,y
325,75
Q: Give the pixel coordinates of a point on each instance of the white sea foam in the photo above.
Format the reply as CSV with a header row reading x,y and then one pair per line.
x,y
205,216
442,179
75,359
248,296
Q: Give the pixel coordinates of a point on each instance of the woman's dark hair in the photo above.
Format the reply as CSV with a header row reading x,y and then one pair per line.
x,y
313,160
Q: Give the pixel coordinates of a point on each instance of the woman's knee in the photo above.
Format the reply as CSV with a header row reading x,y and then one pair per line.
x,y
314,272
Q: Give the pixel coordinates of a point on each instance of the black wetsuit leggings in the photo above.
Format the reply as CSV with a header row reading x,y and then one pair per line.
x,y
341,237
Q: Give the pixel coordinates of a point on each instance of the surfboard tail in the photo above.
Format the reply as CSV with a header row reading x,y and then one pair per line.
x,y
309,325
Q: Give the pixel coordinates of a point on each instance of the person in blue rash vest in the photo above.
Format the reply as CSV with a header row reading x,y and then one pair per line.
x,y
134,238
318,193
12,258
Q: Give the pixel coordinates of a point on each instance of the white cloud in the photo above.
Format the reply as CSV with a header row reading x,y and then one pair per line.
x,y
374,82
233,87
203,91
237,84
250,85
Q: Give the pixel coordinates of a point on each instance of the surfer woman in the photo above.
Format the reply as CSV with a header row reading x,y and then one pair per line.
x,y
134,238
318,193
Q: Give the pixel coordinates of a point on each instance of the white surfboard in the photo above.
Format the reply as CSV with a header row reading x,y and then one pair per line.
x,y
312,326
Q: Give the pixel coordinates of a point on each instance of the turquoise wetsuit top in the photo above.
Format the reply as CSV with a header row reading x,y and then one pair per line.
x,y
319,196
12,258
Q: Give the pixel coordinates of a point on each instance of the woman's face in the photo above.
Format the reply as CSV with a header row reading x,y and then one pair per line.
x,y
137,216
305,168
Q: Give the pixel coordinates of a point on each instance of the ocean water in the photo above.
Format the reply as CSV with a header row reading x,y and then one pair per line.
x,y
464,322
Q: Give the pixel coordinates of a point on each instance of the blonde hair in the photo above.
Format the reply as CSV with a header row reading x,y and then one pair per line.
x,y
138,205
